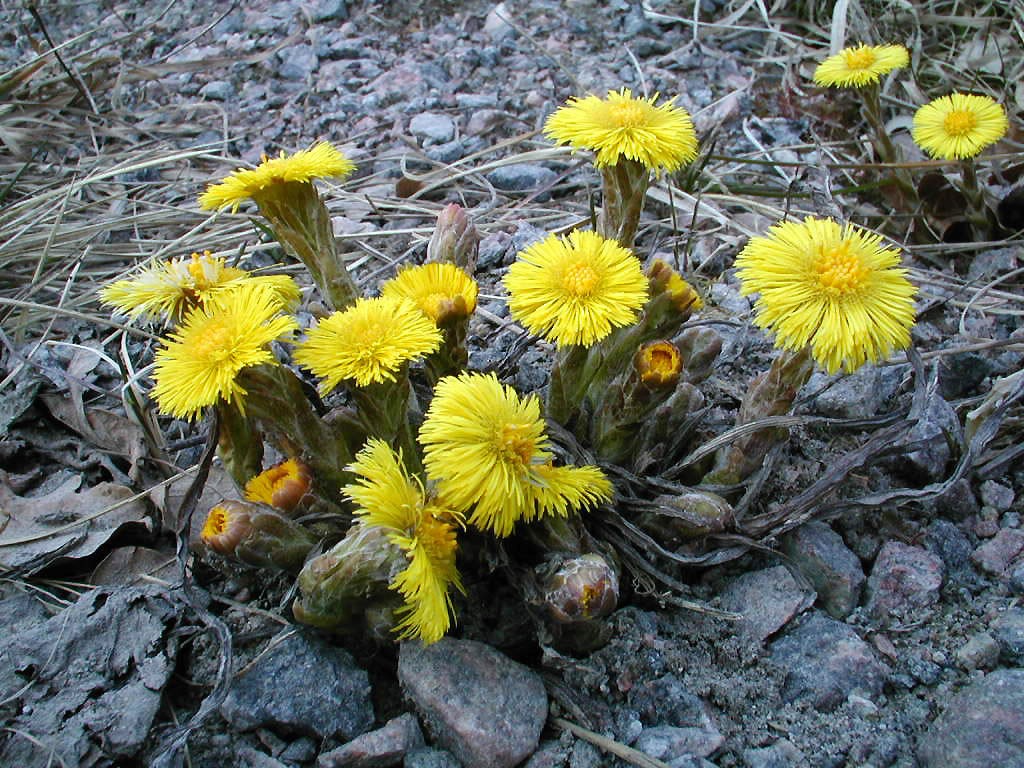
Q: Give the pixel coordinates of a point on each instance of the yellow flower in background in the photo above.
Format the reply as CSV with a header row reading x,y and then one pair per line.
x,y
199,364
442,291
322,161
959,126
621,126
423,528
836,288
283,485
486,449
575,290
860,65
367,343
170,288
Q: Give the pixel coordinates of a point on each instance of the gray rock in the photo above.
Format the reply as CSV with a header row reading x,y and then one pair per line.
x,y
381,748
981,651
302,750
426,757
298,62
1017,579
484,708
288,688
677,722
952,547
525,235
251,757
996,495
668,743
982,726
549,754
834,571
903,580
96,672
928,461
999,553
961,374
329,10
492,251
859,395
218,90
432,128
824,661
448,152
990,262
782,754
476,100
958,502
768,599
1008,631
521,177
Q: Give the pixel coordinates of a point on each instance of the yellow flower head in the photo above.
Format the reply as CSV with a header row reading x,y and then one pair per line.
x,y
283,485
199,364
323,161
835,288
659,364
575,290
226,525
444,292
664,279
171,288
386,497
621,126
484,446
367,343
959,125
860,65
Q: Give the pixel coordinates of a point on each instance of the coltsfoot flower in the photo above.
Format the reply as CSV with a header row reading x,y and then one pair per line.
x,y
170,288
835,288
367,343
283,485
199,365
256,535
322,161
423,527
576,289
443,291
623,126
860,65
487,451
959,126
659,364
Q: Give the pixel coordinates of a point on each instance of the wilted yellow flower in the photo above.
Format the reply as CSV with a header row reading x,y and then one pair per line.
x,y
959,125
323,161
664,279
483,446
860,65
575,290
443,291
424,529
199,364
171,288
835,288
283,485
621,126
368,342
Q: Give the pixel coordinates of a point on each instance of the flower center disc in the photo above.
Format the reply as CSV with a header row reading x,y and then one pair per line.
x,y
628,115
214,343
839,271
861,58
580,279
662,361
959,122
515,444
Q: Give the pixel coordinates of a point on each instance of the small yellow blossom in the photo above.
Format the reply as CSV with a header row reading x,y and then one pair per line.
x,y
199,364
170,288
575,290
421,526
322,161
487,450
658,364
443,291
834,287
860,65
959,126
622,126
367,343
283,485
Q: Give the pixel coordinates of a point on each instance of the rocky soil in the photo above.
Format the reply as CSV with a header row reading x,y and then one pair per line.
x,y
890,635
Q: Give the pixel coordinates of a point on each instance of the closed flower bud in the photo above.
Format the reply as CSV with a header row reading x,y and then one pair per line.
x,y
256,535
665,280
283,485
689,514
658,364
583,588
455,239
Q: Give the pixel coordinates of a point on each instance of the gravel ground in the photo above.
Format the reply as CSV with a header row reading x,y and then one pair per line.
x,y
887,637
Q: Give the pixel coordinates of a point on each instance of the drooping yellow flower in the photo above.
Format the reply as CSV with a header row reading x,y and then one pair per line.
x,y
621,126
860,65
834,287
958,126
486,449
423,527
199,364
367,343
322,161
171,288
575,290
283,485
443,291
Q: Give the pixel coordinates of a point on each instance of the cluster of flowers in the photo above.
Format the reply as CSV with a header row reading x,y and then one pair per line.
x,y
410,483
